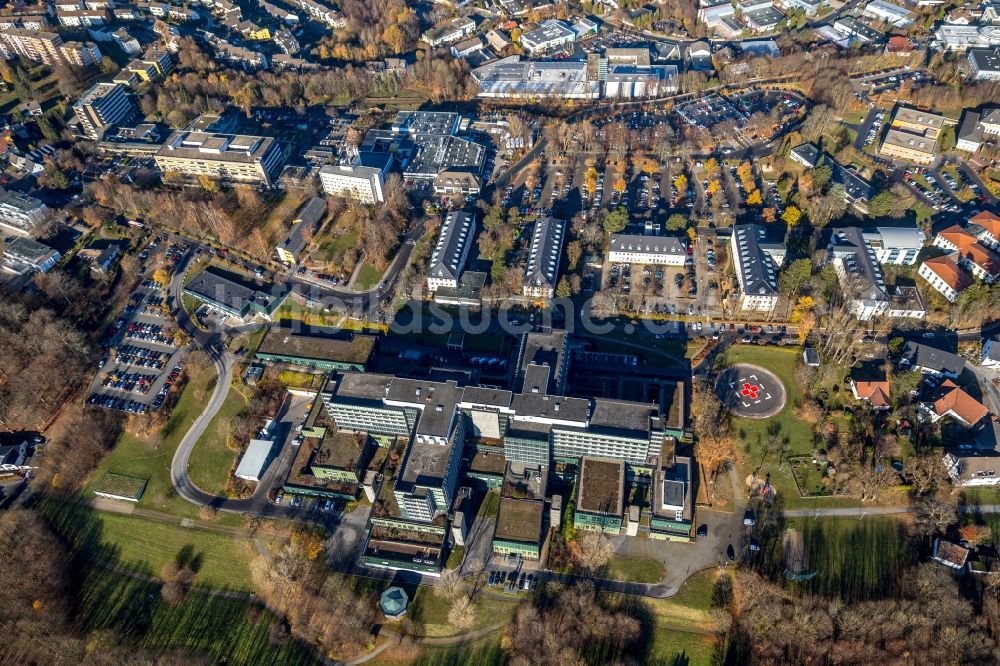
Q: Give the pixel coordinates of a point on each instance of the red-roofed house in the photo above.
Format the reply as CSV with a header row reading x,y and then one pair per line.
x,y
986,226
973,255
956,403
945,276
898,44
874,393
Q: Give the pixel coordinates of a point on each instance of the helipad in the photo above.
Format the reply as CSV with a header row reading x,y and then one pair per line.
x,y
751,391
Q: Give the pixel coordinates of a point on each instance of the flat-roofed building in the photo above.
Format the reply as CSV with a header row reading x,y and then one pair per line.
x,y
363,179
542,271
653,250
451,251
232,297
600,495
226,157
317,351
21,213
985,64
981,468
47,47
519,528
102,106
551,35
757,263
515,78
452,30
951,37
671,505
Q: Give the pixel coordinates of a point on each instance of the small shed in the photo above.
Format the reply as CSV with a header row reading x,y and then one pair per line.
x,y
393,603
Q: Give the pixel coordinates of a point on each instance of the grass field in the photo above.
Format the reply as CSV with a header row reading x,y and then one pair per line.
x,y
150,458
146,546
211,459
368,277
671,646
431,612
855,559
634,569
226,630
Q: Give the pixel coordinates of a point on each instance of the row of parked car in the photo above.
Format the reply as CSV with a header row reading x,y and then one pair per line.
x,y
140,356
511,583
116,403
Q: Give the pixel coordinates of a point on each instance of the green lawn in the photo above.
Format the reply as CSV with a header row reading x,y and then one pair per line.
x,y
150,458
368,277
671,646
146,546
211,459
225,630
634,569
431,612
854,559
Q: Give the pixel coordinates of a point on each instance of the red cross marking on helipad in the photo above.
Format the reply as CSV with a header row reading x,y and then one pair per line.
x,y
750,390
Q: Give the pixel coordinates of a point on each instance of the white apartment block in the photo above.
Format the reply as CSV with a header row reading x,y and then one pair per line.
x,y
757,263
362,180
20,213
226,157
652,250
452,250
899,246
103,105
944,275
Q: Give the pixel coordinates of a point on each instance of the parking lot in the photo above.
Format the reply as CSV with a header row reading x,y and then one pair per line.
x,y
142,359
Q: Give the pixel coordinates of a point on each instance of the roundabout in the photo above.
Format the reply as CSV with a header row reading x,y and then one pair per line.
x,y
750,391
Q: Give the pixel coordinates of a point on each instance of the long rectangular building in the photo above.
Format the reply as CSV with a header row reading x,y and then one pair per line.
x,y
757,263
451,251
542,271
513,78
227,157
654,250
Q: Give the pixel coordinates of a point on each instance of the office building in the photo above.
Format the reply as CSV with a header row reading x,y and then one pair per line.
x,y
551,35
962,37
227,157
21,213
757,262
103,106
452,250
363,179
600,496
671,508
544,256
985,63
449,32
653,250
234,298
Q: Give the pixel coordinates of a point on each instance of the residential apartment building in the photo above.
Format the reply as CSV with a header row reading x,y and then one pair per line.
x,y
47,47
226,157
363,179
542,270
23,255
652,250
103,106
451,251
859,273
757,262
21,213
321,12
985,227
